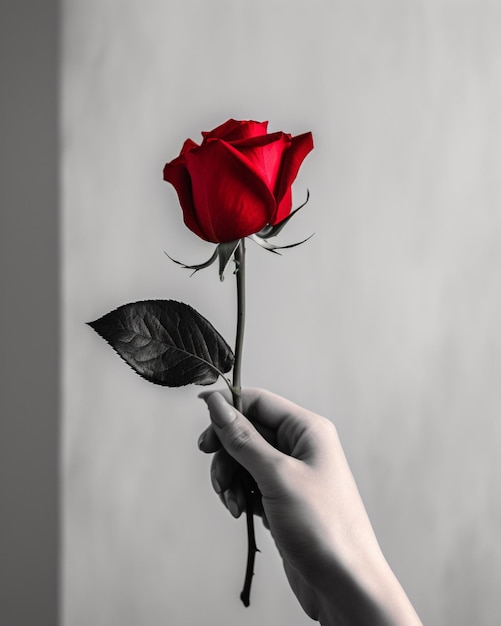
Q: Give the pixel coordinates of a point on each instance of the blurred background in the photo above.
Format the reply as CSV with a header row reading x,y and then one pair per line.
x,y
386,321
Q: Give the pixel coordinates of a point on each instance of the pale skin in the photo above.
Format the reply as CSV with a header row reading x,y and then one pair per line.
x,y
310,503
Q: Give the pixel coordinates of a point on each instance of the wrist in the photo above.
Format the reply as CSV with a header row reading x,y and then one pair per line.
x,y
369,595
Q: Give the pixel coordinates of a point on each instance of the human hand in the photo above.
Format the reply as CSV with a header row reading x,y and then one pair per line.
x,y
310,503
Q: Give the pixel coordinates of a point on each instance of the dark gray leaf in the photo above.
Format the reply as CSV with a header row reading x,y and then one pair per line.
x,y
166,342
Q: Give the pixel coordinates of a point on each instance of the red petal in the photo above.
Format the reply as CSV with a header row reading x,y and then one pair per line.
x,y
188,145
231,199
177,174
233,130
265,153
292,160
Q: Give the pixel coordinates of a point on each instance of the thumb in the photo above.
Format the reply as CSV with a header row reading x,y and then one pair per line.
x,y
241,439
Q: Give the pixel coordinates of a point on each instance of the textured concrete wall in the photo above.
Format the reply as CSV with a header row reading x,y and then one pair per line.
x,y
387,321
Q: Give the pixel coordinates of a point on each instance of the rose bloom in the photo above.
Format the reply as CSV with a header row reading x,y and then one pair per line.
x,y
238,180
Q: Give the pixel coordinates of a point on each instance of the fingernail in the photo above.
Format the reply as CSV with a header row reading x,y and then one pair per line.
x,y
221,412
232,506
201,439
215,483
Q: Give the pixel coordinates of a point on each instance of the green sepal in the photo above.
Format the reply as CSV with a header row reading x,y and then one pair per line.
x,y
271,247
225,251
200,266
272,231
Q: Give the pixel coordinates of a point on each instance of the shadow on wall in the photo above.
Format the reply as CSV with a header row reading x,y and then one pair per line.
x,y
29,327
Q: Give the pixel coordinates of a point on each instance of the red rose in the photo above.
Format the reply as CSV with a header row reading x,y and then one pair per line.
x,y
238,180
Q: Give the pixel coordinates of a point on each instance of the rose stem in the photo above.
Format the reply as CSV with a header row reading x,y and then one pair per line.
x,y
249,484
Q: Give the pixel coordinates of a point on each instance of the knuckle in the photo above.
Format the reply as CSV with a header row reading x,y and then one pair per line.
x,y
324,429
330,427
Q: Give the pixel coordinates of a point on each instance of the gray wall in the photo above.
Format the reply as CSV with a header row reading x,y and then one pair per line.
x,y
29,314
387,321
